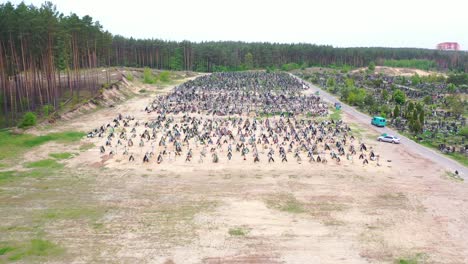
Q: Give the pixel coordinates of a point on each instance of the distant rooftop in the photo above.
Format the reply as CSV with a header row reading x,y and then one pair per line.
x,y
448,46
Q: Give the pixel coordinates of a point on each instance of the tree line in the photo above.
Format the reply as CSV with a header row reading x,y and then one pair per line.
x,y
47,57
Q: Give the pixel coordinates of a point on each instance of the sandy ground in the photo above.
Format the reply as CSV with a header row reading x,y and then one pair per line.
x,y
393,71
390,71
253,213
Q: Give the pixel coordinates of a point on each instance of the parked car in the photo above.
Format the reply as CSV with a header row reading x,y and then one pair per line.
x,y
379,121
389,138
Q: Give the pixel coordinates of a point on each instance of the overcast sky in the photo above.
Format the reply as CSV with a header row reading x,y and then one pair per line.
x,y
346,23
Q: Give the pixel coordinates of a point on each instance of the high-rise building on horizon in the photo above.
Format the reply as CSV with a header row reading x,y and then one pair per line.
x,y
448,46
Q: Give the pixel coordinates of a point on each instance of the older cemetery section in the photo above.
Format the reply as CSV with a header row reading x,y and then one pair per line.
x,y
429,107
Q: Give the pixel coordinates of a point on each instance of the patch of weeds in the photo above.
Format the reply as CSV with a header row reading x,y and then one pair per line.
x,y
333,222
452,176
87,146
5,250
98,225
407,261
417,259
37,173
71,213
336,115
174,222
130,76
327,206
40,169
357,131
286,203
61,156
396,200
292,206
47,163
33,249
16,229
143,91
238,231
7,176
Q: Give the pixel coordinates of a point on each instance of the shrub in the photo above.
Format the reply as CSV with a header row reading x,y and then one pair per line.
x,y
399,97
458,79
164,76
331,82
464,132
130,76
76,100
29,119
451,88
148,76
47,109
415,79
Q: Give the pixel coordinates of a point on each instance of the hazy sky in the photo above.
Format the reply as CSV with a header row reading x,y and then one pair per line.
x,y
346,23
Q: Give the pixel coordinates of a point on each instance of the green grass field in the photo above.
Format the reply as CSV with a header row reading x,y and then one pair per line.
x,y
26,251
12,145
61,156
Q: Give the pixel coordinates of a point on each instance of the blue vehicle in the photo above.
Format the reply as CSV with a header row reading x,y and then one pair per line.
x,y
379,121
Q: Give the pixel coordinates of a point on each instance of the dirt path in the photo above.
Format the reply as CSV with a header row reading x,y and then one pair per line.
x,y
413,147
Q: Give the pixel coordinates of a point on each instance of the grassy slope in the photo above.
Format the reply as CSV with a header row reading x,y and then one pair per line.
x,y
13,145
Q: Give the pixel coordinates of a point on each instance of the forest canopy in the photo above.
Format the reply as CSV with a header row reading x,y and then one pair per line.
x,y
43,53
31,33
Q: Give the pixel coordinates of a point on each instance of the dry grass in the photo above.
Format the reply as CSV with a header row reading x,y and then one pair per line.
x,y
285,203
239,231
174,223
452,176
